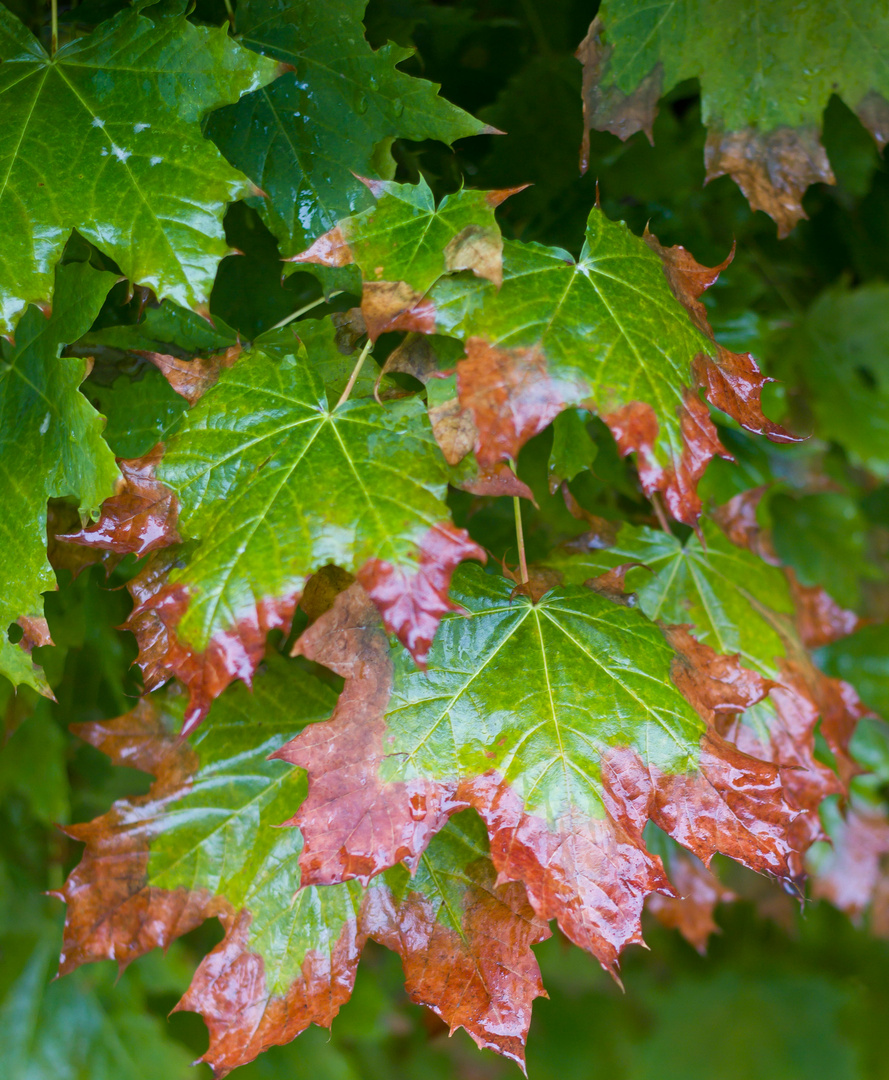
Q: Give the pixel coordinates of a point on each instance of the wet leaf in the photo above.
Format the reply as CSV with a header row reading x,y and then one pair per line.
x,y
289,954
622,332
560,723
762,100
105,138
335,114
252,469
50,445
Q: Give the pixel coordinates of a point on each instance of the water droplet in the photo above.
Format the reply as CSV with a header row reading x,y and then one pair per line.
x,y
361,104
398,106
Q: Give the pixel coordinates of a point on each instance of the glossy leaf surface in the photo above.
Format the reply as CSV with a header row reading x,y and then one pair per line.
x,y
621,331
337,113
560,723
104,137
50,445
202,842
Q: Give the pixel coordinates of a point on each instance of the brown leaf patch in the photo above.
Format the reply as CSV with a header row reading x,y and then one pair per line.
x,y
540,581
140,517
610,109
234,653
483,979
394,305
230,991
35,632
511,397
346,797
331,249
412,603
322,588
478,249
691,912
499,480
192,378
772,168
454,430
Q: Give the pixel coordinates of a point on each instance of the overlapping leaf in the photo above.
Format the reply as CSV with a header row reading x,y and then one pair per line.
x,y
270,484
104,138
50,445
202,843
622,332
738,604
404,243
335,114
561,724
765,82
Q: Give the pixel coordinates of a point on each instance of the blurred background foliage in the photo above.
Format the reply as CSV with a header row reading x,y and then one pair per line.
x,y
786,991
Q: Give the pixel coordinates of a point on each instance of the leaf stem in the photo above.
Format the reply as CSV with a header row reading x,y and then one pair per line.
x,y
307,307
659,511
231,14
355,373
520,536
54,27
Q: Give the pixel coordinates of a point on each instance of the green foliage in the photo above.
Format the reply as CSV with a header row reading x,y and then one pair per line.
x,y
258,720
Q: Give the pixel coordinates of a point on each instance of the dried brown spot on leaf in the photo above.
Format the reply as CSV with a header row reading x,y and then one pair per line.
x,y
773,168
35,632
611,583
331,249
499,480
350,329
540,581
731,381
62,518
394,305
479,249
412,603
454,430
511,396
139,518
191,378
691,912
609,109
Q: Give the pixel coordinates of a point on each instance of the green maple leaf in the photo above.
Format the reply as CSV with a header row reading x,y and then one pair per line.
x,y
762,103
620,331
203,842
270,483
302,138
104,138
559,722
50,445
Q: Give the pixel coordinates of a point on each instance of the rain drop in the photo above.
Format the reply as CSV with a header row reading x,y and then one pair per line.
x,y
361,104
398,106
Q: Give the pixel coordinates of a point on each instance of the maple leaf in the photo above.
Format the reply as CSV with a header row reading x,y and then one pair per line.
x,y
622,332
151,872
404,243
251,469
560,723
762,127
109,129
303,138
736,603
50,446
854,875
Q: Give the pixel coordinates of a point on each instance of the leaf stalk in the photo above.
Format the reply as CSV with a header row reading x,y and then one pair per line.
x,y
54,27
356,371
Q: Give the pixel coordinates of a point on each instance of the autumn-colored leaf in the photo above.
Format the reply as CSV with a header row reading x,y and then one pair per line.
x,y
251,468
763,128
738,604
698,891
560,723
621,332
150,873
